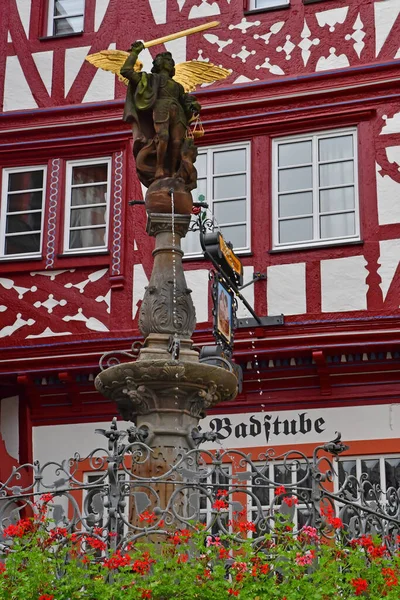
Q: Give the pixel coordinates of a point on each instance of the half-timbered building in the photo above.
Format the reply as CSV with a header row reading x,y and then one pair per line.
x,y
300,165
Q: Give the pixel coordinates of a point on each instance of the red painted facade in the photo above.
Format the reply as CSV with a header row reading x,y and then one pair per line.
x,y
309,67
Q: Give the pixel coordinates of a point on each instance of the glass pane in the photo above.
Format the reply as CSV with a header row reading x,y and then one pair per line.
x,y
295,153
260,487
201,165
392,470
26,180
87,238
88,216
295,230
92,194
282,475
201,190
295,179
372,468
69,25
68,7
347,468
24,201
231,186
230,212
26,222
270,3
89,174
341,225
235,234
336,174
304,479
291,205
191,243
21,244
229,161
336,148
336,199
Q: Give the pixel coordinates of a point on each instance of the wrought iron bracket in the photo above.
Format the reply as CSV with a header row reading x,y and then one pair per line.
x,y
261,322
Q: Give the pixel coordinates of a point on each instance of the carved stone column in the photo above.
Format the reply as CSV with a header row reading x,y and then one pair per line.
x,y
166,393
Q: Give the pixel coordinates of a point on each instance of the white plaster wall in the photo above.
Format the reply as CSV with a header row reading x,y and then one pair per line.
x,y
197,281
74,58
9,425
24,10
389,259
159,10
100,11
392,124
386,13
388,192
140,282
248,293
102,86
17,93
59,442
343,284
44,64
286,289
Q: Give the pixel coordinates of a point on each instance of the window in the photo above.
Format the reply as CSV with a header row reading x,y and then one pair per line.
x,y
315,192
22,212
259,4
287,475
380,470
87,205
65,17
224,183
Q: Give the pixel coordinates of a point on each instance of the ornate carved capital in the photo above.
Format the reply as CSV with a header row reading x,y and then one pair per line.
x,y
167,309
161,222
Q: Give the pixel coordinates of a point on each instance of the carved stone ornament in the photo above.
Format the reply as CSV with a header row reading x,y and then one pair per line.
x,y
167,310
144,387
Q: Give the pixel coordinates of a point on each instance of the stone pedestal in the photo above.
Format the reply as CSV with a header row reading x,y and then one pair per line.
x,y
166,390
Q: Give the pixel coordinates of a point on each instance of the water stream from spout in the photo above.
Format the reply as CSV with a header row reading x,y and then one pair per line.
x,y
174,320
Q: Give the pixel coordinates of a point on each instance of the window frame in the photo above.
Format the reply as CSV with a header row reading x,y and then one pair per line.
x,y
363,457
69,165
3,212
209,152
51,18
315,136
280,5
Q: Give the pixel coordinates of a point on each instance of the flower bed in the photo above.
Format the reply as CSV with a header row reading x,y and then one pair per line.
x,y
43,563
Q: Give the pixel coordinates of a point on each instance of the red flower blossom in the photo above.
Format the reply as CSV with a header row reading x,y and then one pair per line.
x,y
21,528
146,594
336,522
47,498
290,501
180,537
220,505
390,577
95,543
222,493
233,592
183,558
117,560
142,565
359,585
223,553
46,597
2,568
280,490
148,517
196,210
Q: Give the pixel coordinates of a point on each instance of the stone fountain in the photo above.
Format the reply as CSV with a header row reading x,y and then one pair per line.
x,y
167,390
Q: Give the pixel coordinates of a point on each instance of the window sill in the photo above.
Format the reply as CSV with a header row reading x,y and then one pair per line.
x,y
198,257
46,38
85,253
317,246
256,11
13,259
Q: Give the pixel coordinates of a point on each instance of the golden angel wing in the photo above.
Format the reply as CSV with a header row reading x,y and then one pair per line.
x,y
109,60
193,73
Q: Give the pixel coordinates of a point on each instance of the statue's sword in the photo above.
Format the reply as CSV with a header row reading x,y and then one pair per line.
x,y
184,33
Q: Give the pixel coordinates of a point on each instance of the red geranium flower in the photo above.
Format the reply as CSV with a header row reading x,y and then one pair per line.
x,y
359,585
280,490
46,597
233,592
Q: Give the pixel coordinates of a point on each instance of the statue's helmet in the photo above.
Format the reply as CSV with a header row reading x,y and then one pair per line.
x,y
160,60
